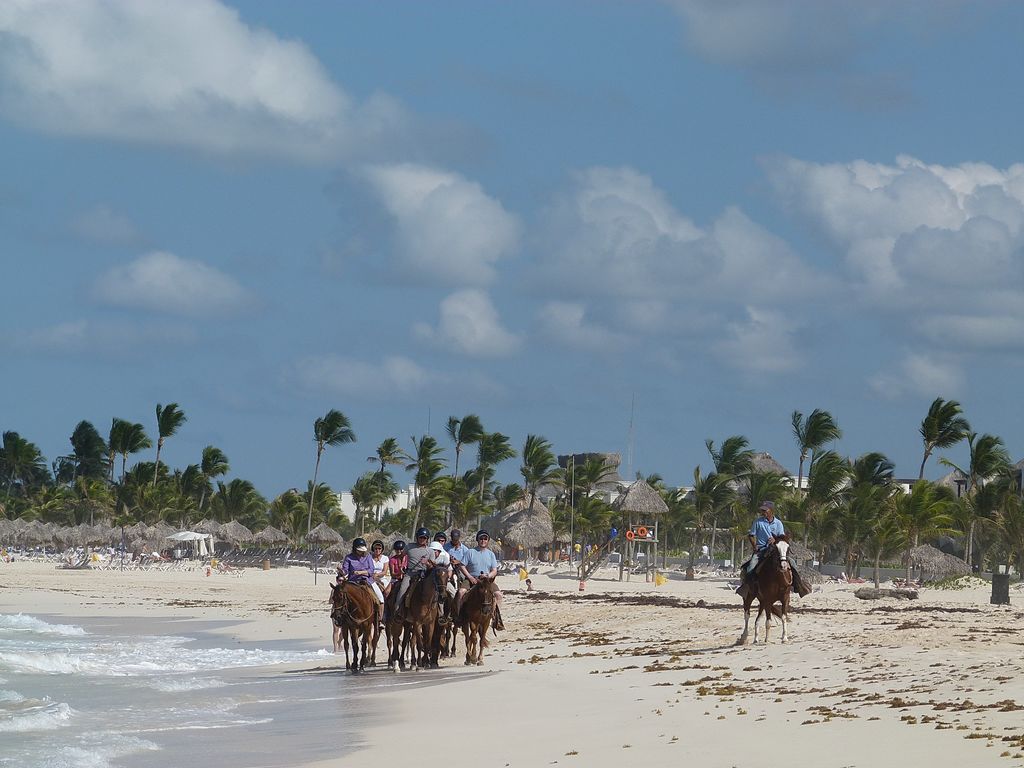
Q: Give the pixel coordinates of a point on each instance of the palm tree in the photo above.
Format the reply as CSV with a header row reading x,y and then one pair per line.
x,y
711,494
21,462
943,427
828,475
539,467
923,513
733,458
332,429
286,512
860,505
213,464
90,451
507,495
493,449
426,465
169,419
388,453
239,500
811,434
127,438
987,459
464,431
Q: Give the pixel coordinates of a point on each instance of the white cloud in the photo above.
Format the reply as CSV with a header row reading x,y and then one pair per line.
x,y
762,343
449,229
564,323
392,378
190,74
163,282
617,235
90,337
971,331
469,324
102,225
920,374
943,243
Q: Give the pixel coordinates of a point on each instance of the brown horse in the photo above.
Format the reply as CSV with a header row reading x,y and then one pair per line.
x,y
773,583
417,624
476,617
354,610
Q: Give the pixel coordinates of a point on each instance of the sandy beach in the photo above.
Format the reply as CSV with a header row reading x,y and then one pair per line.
x,y
622,673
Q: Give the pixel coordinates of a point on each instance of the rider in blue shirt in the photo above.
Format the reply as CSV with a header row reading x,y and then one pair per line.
x,y
767,528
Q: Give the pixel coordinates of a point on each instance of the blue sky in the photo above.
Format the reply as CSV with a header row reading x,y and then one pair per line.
x,y
533,211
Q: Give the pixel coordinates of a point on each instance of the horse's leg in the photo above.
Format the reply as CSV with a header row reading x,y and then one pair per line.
x,y
344,637
784,615
336,636
482,643
467,631
757,620
747,600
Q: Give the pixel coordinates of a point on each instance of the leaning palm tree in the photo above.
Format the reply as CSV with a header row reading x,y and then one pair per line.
x,y
464,431
923,513
169,419
214,464
539,466
127,438
811,434
493,449
333,429
388,454
943,427
426,465
90,451
21,462
987,459
733,457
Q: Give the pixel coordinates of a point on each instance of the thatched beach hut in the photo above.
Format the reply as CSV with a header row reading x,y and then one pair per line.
x,y
270,536
522,530
935,564
234,533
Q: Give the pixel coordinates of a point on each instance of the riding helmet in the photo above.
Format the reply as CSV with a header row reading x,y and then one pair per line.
x,y
398,545
441,536
482,535
422,533
359,544
377,543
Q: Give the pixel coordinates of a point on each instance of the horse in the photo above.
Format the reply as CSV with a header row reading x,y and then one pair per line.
x,y
477,616
417,624
773,583
355,612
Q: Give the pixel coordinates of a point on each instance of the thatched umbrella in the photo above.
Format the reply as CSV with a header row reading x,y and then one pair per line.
x,y
323,536
936,563
800,553
136,531
641,499
35,533
6,529
521,526
207,526
764,462
234,533
160,531
270,536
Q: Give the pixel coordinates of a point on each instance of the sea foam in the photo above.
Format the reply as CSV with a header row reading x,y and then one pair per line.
x,y
20,622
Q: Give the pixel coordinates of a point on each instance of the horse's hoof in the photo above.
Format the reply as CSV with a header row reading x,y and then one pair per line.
x,y
480,663
467,663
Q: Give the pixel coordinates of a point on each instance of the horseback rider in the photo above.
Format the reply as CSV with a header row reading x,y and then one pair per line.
x,y
399,560
764,532
481,562
357,568
458,552
421,559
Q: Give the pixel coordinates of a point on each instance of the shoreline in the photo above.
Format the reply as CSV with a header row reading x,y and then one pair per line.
x,y
589,679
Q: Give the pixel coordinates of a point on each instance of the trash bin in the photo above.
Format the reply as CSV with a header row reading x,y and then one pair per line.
x,y
266,565
1000,589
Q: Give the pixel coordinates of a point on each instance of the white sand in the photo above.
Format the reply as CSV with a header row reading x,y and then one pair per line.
x,y
592,681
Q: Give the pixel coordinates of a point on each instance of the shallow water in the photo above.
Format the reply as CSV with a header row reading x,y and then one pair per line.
x,y
92,695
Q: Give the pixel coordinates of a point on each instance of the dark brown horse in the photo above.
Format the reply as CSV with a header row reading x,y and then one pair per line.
x,y
354,610
773,583
476,617
418,624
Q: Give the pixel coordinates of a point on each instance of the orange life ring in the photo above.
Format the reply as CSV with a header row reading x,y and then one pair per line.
x,y
630,535
642,532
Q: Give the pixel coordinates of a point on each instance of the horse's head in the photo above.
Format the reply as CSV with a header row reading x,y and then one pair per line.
x,y
782,547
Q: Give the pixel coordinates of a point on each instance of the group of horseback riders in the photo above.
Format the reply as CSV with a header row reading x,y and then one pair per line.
x,y
456,567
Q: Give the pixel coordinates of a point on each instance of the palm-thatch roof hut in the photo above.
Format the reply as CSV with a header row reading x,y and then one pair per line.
x,y
641,499
323,536
233,533
935,564
521,529
35,532
207,526
762,461
270,536
160,531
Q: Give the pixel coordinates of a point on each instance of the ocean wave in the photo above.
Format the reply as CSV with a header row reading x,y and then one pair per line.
x,y
10,696
34,717
22,622
182,685
97,751
146,658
